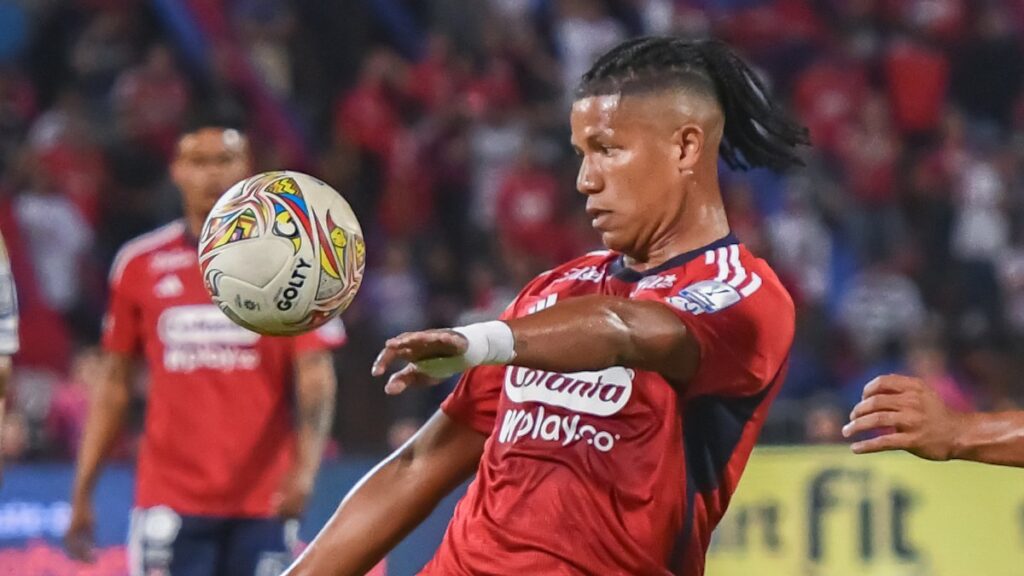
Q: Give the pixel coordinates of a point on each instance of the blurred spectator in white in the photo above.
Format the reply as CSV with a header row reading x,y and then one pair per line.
x,y
801,245
881,305
151,100
396,293
584,30
494,144
57,236
63,140
981,229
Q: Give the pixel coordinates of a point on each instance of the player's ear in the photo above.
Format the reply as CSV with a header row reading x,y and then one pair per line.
x,y
688,142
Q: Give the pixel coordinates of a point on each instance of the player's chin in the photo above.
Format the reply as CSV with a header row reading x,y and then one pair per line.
x,y
616,241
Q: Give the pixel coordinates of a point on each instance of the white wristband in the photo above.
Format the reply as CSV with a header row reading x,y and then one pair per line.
x,y
488,343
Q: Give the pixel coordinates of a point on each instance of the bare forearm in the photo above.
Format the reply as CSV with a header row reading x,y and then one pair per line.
x,y
392,500
597,332
314,427
315,394
108,407
996,438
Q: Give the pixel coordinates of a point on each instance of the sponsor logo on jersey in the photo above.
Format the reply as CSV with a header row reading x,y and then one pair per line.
x,y
201,336
169,286
162,262
537,424
583,274
601,393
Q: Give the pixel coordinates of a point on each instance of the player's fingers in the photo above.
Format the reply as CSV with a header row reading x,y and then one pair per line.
x,y
384,359
429,343
400,380
878,403
882,444
872,422
888,384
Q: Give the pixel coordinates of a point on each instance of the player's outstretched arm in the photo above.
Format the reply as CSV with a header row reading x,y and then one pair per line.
x,y
914,418
584,333
393,499
107,409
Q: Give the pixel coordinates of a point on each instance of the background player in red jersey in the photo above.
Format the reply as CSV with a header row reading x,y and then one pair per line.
x,y
610,414
914,418
223,461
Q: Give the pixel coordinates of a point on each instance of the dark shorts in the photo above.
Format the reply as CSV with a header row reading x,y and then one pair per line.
x,y
164,543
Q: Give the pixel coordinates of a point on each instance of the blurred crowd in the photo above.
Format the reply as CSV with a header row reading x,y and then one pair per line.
x,y
444,122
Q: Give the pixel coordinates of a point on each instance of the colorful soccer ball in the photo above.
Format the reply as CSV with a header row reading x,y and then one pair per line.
x,y
282,253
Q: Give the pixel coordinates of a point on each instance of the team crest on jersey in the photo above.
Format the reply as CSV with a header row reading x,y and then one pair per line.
x,y
706,297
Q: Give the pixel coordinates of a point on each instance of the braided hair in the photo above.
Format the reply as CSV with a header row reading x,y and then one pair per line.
x,y
757,133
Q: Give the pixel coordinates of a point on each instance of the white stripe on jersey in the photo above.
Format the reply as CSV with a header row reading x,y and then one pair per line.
x,y
142,244
752,286
729,264
721,255
734,261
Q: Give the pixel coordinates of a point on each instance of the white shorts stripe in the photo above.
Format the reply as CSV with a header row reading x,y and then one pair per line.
x,y
739,272
709,257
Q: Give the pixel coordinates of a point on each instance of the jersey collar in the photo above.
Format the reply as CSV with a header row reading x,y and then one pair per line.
x,y
620,271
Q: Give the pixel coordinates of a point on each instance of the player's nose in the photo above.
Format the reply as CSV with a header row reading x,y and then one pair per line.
x,y
588,181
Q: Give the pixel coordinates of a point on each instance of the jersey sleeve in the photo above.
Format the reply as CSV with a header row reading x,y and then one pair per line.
x,y
8,306
122,324
744,329
327,337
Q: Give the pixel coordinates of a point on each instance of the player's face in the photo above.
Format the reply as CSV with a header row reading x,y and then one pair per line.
x,y
207,163
629,170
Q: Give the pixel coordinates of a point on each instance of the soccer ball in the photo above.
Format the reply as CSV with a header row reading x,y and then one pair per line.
x,y
282,253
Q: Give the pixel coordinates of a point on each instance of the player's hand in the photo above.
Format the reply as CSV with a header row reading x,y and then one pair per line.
x,y
290,500
910,415
413,347
79,542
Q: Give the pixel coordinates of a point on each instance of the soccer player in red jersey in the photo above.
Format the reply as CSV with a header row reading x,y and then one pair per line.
x,y
610,413
223,463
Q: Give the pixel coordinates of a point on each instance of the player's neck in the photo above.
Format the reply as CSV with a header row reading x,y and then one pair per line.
x,y
701,222
194,223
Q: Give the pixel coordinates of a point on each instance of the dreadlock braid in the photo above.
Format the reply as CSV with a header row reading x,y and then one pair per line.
x,y
757,133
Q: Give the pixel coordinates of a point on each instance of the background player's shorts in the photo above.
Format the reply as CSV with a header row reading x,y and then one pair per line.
x,y
163,543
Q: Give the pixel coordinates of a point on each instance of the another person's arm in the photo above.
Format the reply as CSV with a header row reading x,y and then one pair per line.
x,y
315,389
393,499
107,410
915,419
8,330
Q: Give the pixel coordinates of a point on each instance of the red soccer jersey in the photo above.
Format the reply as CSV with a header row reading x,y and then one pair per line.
x,y
219,433
614,472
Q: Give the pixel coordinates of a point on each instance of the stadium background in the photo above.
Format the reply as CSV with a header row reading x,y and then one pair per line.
x,y
444,124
